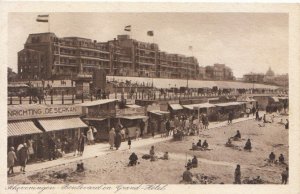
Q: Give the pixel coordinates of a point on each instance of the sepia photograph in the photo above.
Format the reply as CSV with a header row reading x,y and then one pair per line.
x,y
147,98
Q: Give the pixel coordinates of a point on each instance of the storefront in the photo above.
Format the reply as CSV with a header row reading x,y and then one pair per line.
x,y
34,124
101,114
133,117
175,109
238,109
157,120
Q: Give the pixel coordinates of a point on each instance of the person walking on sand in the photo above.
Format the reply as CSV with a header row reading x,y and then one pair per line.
x,y
237,175
285,176
129,142
81,142
23,153
11,159
112,136
137,134
118,140
90,136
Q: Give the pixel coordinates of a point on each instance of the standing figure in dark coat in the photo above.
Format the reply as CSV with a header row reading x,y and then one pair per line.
x,y
51,148
118,140
253,110
237,175
256,115
23,157
142,126
81,142
272,157
281,159
195,162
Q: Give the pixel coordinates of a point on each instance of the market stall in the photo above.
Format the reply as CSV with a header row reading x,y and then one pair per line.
x,y
157,119
101,114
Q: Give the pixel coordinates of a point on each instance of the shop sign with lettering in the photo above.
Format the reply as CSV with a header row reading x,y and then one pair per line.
x,y
34,112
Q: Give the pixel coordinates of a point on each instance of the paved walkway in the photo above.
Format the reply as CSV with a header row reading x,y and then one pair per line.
x,y
101,149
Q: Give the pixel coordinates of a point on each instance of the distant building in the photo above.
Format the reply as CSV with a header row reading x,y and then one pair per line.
x,y
218,72
46,56
11,75
269,78
254,77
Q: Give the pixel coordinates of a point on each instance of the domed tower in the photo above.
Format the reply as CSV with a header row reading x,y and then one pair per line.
x,y
270,72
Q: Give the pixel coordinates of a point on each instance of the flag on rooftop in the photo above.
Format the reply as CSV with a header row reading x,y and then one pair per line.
x,y
150,33
127,28
42,18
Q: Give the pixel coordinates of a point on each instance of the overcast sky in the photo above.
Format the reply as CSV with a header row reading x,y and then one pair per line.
x,y
243,41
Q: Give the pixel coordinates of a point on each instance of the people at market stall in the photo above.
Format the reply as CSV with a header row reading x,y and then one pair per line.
x,y
118,139
90,136
11,160
23,157
111,138
81,142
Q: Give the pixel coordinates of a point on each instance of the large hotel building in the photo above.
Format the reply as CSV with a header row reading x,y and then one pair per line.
x,y
46,56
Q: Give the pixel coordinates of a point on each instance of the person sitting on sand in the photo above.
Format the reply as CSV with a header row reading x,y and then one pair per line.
x,y
133,159
237,135
152,154
166,156
189,164
287,124
229,143
199,143
281,159
187,176
205,144
248,145
195,162
272,157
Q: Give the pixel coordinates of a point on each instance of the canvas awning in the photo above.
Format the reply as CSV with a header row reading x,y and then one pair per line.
x,y
229,104
55,124
133,117
197,106
132,106
97,102
176,106
159,112
93,119
18,128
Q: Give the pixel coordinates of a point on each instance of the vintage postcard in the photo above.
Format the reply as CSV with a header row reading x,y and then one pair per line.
x,y
150,97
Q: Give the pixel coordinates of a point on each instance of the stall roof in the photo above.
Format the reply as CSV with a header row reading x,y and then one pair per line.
x,y
176,106
55,124
283,98
132,117
19,128
132,106
158,112
229,104
93,119
202,105
98,102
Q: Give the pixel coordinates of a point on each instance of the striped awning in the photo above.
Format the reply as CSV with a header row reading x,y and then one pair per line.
x,y
18,128
54,124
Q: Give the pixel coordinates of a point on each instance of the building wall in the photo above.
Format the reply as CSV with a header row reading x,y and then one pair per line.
x,y
69,57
